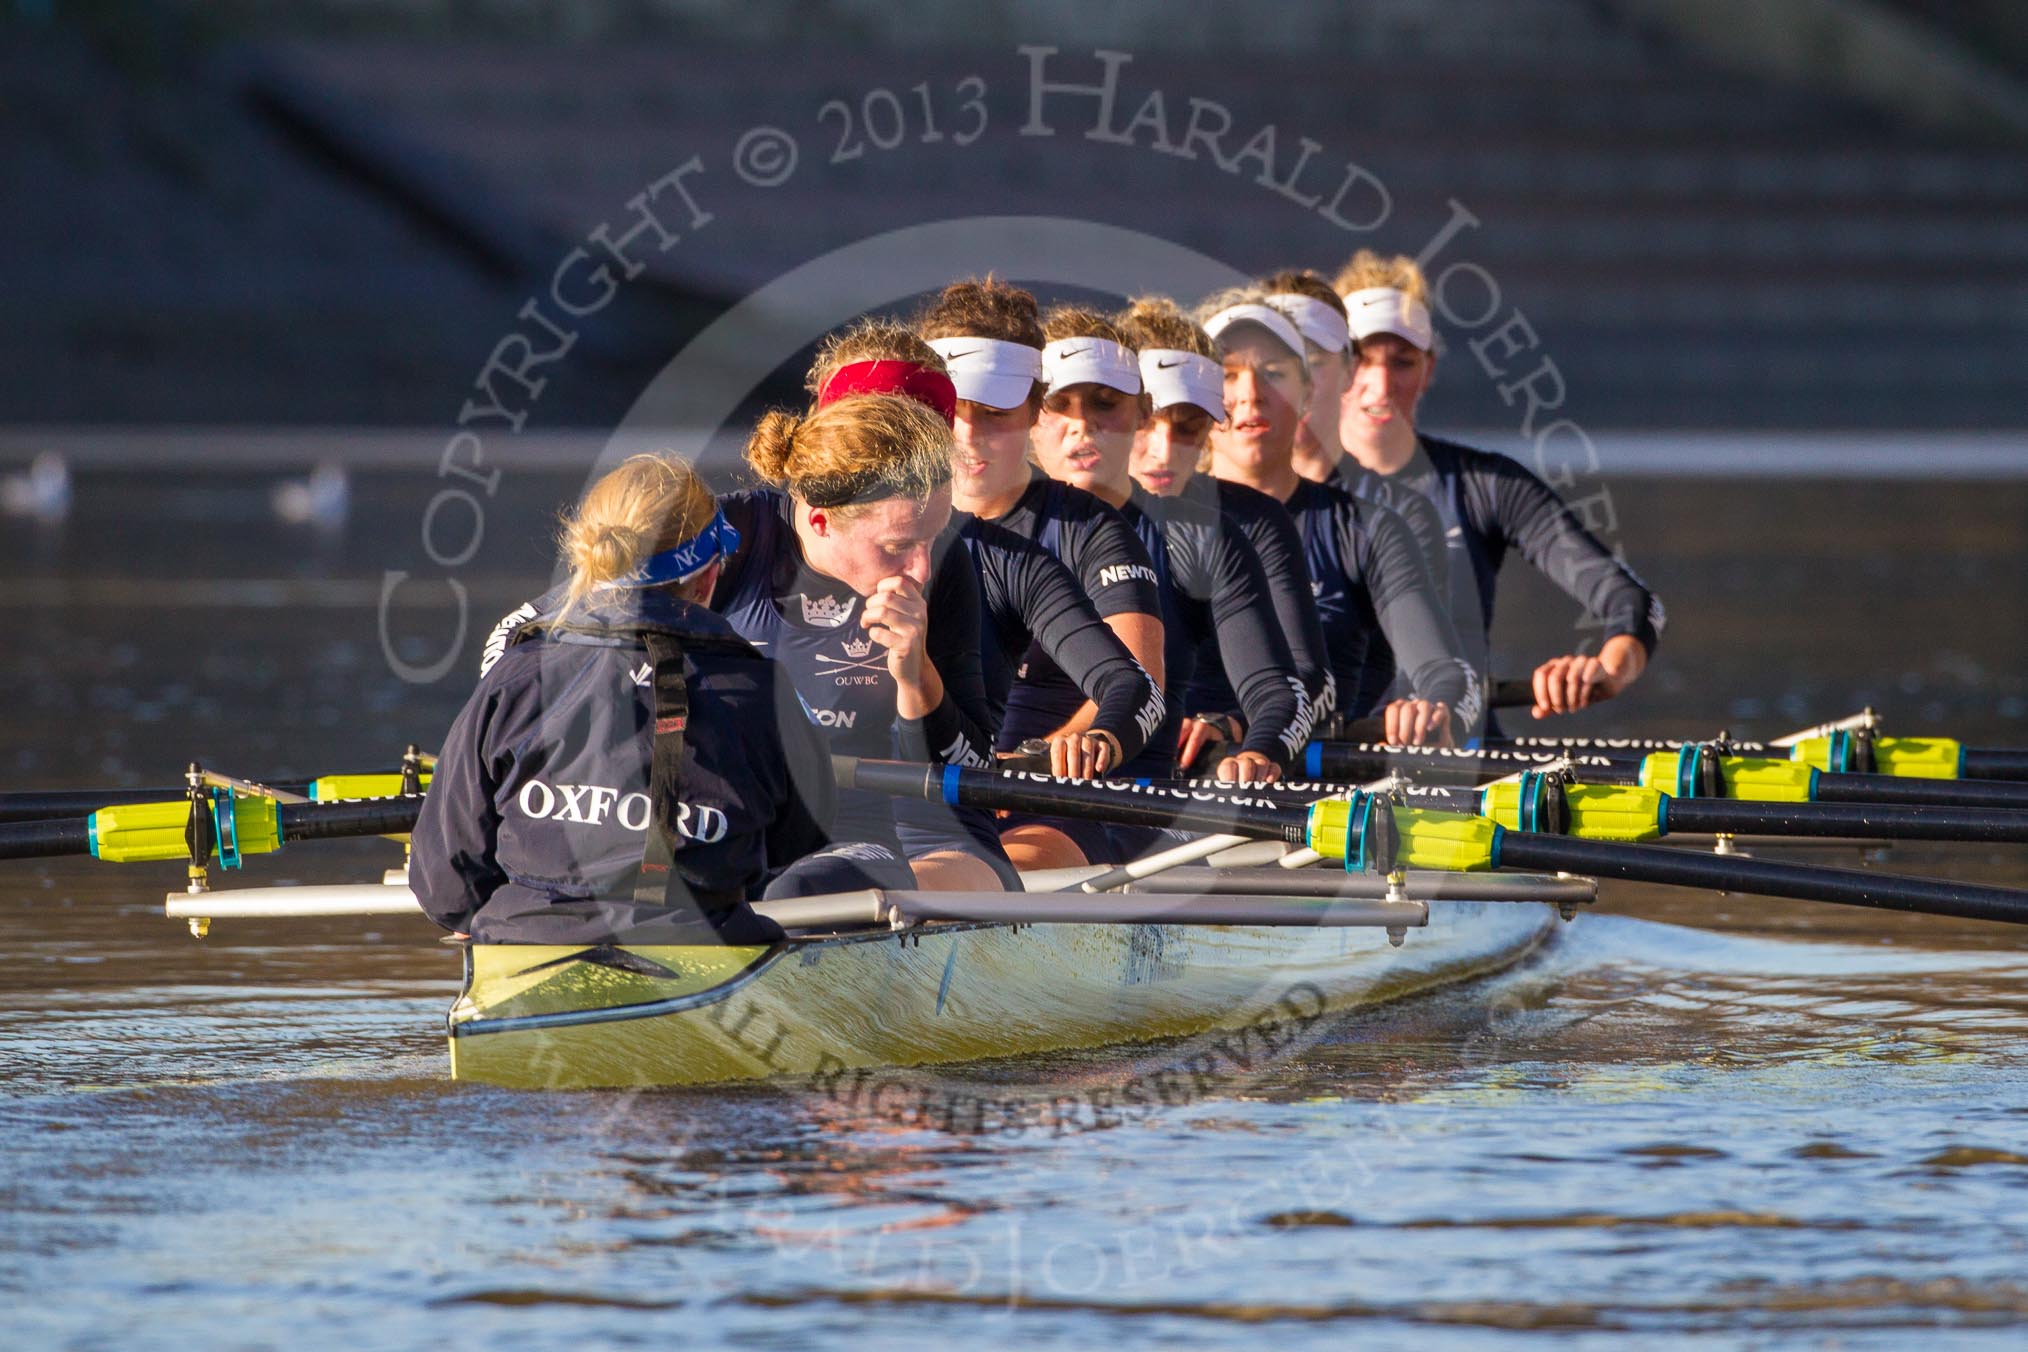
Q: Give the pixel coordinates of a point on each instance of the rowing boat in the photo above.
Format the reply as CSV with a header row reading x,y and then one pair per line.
x,y
872,980
1144,951
936,993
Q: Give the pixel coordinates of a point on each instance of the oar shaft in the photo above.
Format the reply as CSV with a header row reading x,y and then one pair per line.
x,y
44,839
1735,873
1741,817
1995,763
1372,760
1962,793
44,804
1730,816
1121,801
297,821
1617,748
365,817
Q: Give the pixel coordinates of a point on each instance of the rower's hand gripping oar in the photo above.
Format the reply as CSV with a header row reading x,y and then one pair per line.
x,y
1373,832
1504,694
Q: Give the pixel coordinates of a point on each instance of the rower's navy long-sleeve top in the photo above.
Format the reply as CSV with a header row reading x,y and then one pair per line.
x,y
1491,504
1276,543
1031,599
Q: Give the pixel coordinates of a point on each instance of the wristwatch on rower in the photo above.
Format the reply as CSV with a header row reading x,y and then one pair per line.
x,y
1033,753
1225,725
1118,756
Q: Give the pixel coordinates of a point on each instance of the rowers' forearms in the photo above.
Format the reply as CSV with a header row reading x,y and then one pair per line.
x,y
919,698
1624,657
1081,721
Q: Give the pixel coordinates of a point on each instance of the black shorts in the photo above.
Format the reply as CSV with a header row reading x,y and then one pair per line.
x,y
843,866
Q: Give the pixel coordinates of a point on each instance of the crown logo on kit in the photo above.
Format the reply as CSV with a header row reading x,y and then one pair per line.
x,y
856,648
827,612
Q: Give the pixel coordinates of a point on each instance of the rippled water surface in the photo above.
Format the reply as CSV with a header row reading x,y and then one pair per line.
x,y
1684,1119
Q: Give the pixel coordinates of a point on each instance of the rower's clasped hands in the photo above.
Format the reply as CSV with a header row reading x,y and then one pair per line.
x,y
897,618
1417,722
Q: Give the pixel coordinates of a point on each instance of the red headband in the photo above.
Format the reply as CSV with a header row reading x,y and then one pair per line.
x,y
933,389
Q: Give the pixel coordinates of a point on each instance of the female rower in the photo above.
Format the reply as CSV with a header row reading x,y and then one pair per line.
x,y
1029,597
1365,569
1489,503
1204,577
843,575
628,769
1183,391
1314,308
1319,315
1211,585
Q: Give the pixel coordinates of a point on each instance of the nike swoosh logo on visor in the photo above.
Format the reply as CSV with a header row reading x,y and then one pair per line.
x,y
1076,352
1165,365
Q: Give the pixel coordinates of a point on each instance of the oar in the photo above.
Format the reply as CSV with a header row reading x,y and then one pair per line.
x,y
1342,762
1193,851
1627,813
224,828
1838,753
1608,810
1698,772
1691,771
1865,720
1125,802
1373,833
43,804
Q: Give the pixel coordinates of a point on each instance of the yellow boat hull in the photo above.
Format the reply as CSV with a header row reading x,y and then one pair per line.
x,y
568,1018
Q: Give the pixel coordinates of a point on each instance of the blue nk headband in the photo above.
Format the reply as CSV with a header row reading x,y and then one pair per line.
x,y
686,560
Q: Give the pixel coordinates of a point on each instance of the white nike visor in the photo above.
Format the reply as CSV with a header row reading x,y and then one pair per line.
x,y
1267,317
1095,361
1382,309
1173,377
990,371
1324,325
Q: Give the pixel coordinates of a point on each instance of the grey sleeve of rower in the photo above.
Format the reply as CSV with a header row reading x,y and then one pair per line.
x,y
1272,700
451,859
1064,624
1427,652
1422,519
1550,537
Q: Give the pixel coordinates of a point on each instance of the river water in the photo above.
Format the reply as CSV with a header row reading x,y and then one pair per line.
x,y
1685,1119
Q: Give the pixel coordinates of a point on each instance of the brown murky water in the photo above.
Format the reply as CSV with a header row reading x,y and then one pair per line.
x,y
1687,1119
